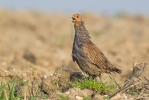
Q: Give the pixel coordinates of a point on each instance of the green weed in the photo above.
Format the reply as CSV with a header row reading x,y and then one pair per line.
x,y
7,91
62,97
94,85
87,98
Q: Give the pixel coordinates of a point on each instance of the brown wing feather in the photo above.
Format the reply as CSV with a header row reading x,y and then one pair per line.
x,y
96,57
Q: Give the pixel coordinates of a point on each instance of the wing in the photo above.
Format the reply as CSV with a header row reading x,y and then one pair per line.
x,y
73,55
96,57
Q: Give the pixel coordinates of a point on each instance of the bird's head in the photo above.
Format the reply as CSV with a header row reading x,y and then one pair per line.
x,y
77,19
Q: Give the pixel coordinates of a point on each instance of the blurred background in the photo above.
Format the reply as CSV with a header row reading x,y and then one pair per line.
x,y
67,6
39,34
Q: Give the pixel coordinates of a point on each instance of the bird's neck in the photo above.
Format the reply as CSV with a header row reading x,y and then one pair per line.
x,y
79,25
82,33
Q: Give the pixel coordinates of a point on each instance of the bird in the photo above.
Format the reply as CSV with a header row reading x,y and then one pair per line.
x,y
86,54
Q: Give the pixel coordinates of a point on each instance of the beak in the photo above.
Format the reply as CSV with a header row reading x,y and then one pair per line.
x,y
73,18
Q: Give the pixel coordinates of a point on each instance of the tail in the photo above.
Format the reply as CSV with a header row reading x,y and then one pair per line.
x,y
117,70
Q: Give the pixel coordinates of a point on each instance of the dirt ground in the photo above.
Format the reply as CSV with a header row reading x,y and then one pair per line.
x,y
43,41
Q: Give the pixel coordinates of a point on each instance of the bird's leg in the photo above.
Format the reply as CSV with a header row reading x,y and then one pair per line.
x,y
100,78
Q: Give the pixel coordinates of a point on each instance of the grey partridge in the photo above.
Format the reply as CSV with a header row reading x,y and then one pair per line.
x,y
88,56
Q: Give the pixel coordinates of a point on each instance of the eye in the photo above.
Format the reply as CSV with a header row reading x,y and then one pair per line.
x,y
77,16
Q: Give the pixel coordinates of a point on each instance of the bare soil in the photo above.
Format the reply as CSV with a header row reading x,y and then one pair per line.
x,y
36,47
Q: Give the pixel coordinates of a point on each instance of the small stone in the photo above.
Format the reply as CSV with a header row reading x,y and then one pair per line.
x,y
79,98
98,97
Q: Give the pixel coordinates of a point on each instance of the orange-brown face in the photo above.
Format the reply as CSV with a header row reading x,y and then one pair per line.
x,y
76,18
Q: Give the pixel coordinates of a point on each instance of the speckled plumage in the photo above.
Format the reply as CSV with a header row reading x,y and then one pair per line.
x,y
87,55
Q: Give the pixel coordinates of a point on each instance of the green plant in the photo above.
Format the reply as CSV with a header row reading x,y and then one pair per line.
x,y
24,83
133,91
45,96
2,92
62,97
94,85
87,98
7,91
